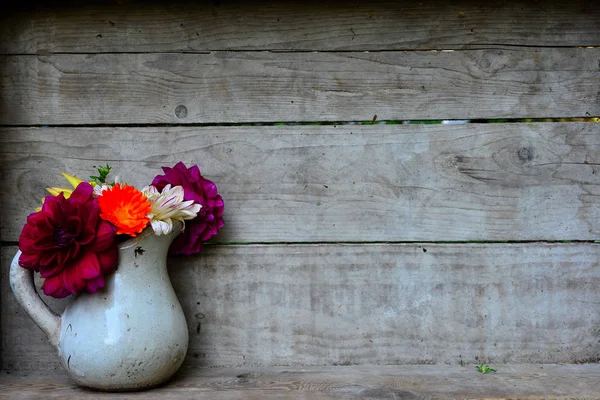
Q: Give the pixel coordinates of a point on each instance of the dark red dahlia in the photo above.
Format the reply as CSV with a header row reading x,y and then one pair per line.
x,y
69,244
203,192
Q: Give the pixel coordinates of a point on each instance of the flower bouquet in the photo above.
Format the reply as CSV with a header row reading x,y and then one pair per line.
x,y
114,239
72,240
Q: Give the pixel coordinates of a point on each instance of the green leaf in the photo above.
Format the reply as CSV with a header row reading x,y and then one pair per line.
x,y
484,369
102,174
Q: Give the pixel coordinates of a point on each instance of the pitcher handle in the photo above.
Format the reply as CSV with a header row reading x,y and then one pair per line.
x,y
22,285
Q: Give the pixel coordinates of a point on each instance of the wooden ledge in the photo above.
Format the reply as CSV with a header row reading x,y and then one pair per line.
x,y
342,382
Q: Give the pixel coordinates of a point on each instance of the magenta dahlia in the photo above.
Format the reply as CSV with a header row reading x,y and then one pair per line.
x,y
69,244
201,191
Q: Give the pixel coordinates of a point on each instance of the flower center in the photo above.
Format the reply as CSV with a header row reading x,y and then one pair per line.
x,y
62,238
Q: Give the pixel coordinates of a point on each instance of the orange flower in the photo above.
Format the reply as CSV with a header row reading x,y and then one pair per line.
x,y
126,207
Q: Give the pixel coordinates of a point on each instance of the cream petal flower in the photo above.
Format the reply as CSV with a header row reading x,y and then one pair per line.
x,y
167,206
162,227
98,189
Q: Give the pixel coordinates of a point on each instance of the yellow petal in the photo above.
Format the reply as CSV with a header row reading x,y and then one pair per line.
x,y
55,191
73,180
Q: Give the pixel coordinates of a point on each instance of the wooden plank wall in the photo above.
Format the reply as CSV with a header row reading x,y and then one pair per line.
x,y
393,235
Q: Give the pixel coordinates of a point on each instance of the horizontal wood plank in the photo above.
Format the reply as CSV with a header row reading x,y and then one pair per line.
x,y
307,25
340,183
299,305
335,383
229,87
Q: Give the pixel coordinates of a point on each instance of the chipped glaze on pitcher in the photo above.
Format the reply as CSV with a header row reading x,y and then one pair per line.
x,y
129,336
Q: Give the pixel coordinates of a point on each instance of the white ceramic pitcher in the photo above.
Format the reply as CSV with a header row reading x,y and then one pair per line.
x,y
130,335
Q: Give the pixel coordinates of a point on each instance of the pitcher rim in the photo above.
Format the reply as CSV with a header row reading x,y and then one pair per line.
x,y
177,226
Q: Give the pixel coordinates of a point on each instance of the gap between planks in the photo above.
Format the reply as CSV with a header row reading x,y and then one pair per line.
x,y
374,121
482,46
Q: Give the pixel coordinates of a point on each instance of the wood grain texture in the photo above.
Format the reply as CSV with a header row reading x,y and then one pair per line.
x,y
341,183
307,25
227,87
378,304
559,382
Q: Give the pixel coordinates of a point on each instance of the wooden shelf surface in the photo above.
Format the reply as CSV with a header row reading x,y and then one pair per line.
x,y
340,382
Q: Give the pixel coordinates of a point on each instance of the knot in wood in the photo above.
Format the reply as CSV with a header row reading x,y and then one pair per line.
x,y
181,111
525,154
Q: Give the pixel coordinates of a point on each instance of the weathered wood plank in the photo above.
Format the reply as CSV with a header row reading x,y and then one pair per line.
x,y
341,183
353,25
335,383
267,305
265,86
2,298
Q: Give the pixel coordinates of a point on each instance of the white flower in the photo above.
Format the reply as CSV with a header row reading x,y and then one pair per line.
x,y
167,206
98,189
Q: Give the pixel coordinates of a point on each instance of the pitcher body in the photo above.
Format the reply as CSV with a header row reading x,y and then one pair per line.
x,y
130,335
